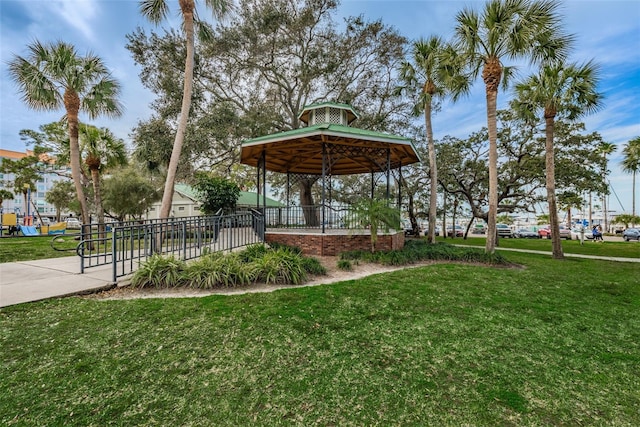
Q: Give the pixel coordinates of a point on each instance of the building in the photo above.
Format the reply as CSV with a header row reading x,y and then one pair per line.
x,y
185,203
43,185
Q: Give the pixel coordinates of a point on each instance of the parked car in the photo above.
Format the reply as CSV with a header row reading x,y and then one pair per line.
x,y
631,234
459,231
425,230
408,229
576,231
479,229
545,232
525,233
73,224
504,230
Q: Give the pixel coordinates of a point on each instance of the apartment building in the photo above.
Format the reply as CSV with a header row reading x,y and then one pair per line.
x,y
43,185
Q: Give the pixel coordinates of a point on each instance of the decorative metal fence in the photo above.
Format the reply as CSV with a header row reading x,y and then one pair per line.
x,y
315,216
125,245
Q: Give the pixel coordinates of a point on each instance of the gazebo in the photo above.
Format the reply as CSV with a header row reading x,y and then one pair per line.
x,y
327,146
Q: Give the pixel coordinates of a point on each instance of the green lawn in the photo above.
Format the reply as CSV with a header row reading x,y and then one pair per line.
x,y
553,343
36,247
613,249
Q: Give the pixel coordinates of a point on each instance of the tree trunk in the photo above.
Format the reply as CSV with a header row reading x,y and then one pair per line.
x,y
633,194
453,219
97,197
492,99
444,216
412,215
72,106
307,203
433,175
551,188
604,212
25,199
491,75
590,209
167,196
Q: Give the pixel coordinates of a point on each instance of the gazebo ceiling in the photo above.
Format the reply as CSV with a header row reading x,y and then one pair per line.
x,y
348,150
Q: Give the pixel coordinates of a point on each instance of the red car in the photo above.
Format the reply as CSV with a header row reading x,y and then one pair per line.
x,y
459,231
545,232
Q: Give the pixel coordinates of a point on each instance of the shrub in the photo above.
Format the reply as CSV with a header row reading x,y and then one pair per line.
x,y
280,266
159,272
419,250
313,266
294,249
235,272
345,264
217,270
253,252
203,273
395,258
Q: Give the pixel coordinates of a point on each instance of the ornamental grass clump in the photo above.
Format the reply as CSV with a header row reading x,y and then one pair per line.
x,y
345,265
159,272
216,270
280,266
235,272
220,271
313,266
253,252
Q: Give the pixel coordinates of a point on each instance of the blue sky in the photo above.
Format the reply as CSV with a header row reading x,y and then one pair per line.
x,y
608,31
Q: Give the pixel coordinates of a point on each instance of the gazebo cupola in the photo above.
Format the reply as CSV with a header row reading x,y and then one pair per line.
x,y
328,112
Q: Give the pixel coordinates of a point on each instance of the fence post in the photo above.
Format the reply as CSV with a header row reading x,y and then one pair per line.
x,y
114,254
184,239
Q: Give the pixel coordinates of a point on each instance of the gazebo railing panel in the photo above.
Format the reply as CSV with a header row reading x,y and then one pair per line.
x,y
335,217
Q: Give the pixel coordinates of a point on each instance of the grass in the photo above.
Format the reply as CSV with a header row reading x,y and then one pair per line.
x,y
36,247
611,249
40,247
553,343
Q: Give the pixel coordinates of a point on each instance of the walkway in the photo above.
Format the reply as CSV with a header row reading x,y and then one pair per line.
x,y
26,281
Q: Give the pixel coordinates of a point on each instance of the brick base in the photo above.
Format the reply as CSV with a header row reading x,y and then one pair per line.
x,y
334,244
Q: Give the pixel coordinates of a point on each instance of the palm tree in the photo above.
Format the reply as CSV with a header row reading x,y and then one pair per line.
x,y
436,71
156,11
102,151
605,148
631,164
375,213
54,76
558,90
506,29
569,200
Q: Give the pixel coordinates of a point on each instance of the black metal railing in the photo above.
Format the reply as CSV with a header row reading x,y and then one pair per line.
x,y
125,245
332,217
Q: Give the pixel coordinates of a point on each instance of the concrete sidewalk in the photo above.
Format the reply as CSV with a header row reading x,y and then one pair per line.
x,y
27,281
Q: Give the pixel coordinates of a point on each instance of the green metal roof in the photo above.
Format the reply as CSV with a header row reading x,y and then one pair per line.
x,y
328,127
246,198
186,191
